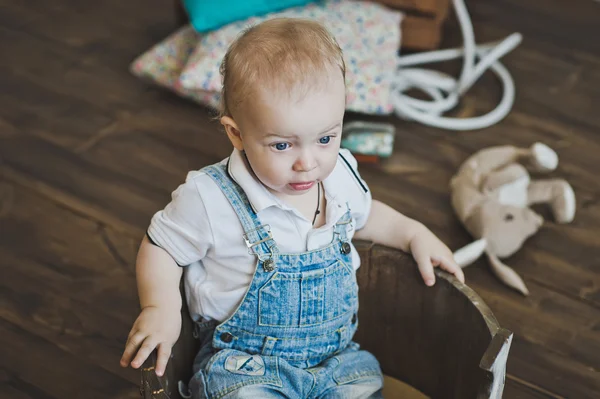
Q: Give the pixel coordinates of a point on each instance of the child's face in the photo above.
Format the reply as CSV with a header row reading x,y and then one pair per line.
x,y
292,144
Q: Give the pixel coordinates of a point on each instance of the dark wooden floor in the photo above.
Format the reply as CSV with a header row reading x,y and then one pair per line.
x,y
88,153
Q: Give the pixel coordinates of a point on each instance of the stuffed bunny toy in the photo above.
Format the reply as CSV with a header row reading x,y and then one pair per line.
x,y
491,195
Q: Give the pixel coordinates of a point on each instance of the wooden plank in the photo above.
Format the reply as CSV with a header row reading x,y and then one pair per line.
x,y
43,309
120,181
48,97
13,387
560,375
67,24
31,108
188,126
50,113
92,262
540,21
521,390
177,132
80,76
66,73
54,98
72,285
113,295
101,191
39,364
69,201
561,324
156,151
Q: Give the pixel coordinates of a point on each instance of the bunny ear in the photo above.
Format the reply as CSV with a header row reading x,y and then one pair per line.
x,y
507,275
470,253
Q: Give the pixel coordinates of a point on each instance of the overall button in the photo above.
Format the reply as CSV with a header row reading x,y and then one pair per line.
x,y
345,248
269,265
354,318
226,337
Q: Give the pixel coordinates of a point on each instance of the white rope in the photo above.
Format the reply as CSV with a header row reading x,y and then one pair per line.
x,y
443,89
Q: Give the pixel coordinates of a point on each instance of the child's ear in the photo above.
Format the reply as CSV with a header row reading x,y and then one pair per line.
x,y
233,132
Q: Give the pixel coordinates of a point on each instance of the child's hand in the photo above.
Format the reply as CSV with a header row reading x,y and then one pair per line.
x,y
430,252
154,328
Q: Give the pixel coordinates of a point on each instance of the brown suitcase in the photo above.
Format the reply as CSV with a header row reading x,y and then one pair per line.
x,y
423,22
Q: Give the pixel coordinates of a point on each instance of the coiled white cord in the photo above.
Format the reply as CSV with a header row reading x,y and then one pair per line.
x,y
444,89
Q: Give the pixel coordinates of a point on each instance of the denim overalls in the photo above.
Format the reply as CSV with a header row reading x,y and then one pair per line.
x,y
291,336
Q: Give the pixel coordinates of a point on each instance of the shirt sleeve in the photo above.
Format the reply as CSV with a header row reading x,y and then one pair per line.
x,y
358,193
182,228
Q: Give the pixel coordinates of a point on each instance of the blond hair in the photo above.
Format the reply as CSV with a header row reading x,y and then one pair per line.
x,y
280,53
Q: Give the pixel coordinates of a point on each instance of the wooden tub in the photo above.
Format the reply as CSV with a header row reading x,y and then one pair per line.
x,y
441,341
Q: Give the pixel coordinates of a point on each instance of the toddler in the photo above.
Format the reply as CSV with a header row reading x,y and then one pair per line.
x,y
264,237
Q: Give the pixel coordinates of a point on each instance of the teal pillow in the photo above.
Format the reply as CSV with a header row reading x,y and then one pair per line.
x,y
206,15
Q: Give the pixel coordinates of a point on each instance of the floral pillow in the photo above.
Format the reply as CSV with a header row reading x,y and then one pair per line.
x,y
368,33
163,63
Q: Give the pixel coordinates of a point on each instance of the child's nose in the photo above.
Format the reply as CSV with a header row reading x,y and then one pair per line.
x,y
305,163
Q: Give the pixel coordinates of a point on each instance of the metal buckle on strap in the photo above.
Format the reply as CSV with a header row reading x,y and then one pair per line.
x,y
253,244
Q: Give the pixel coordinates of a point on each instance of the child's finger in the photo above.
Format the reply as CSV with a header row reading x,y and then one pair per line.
x,y
451,267
132,345
164,351
145,350
426,269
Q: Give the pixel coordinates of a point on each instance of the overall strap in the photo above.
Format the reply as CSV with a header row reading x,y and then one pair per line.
x,y
340,228
255,233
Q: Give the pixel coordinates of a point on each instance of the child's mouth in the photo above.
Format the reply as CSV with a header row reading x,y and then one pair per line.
x,y
302,186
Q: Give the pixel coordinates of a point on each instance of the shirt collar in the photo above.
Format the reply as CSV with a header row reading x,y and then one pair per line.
x,y
239,170
259,197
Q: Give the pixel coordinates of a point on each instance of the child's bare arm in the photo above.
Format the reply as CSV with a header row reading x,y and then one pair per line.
x,y
388,227
159,323
158,277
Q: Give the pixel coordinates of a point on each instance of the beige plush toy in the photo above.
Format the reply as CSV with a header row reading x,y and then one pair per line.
x,y
491,195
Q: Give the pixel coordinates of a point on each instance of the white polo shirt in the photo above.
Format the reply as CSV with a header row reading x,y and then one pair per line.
x,y
200,230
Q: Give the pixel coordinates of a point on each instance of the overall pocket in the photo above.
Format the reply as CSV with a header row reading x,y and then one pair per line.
x,y
357,367
308,298
230,370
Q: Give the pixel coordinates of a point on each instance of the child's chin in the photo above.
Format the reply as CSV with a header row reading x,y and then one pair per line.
x,y
288,191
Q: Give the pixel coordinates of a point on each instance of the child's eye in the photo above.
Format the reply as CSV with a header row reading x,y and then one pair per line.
x,y
325,140
280,146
